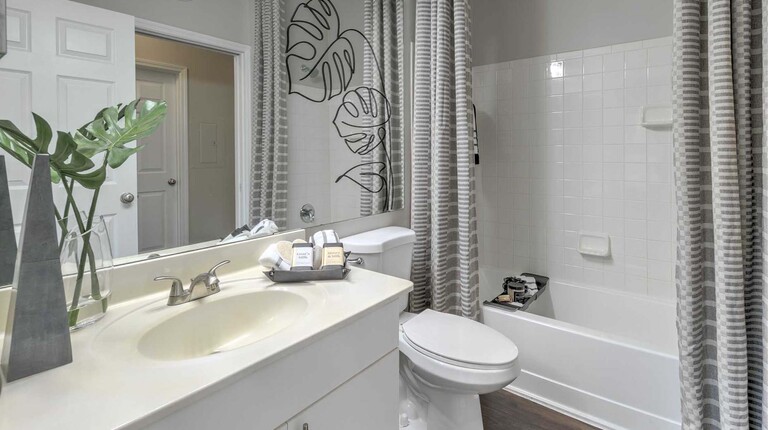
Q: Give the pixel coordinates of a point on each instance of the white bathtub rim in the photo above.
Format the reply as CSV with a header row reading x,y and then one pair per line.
x,y
584,331
581,415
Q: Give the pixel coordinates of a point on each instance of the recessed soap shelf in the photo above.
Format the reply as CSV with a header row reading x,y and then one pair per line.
x,y
657,117
594,244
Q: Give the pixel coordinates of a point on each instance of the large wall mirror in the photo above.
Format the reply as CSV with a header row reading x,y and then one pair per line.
x,y
191,184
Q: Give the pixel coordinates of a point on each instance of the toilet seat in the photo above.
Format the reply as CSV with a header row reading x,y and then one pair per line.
x,y
459,341
445,358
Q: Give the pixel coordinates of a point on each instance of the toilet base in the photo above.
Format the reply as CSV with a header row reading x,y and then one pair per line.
x,y
430,408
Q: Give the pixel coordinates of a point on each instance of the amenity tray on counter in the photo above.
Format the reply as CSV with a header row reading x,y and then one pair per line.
x,y
281,276
541,283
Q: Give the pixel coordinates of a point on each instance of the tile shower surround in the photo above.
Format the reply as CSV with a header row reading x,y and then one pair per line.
x,y
562,151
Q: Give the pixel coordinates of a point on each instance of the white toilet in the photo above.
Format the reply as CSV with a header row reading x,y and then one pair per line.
x,y
446,361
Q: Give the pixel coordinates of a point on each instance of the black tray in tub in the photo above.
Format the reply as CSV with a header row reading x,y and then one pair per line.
x,y
541,283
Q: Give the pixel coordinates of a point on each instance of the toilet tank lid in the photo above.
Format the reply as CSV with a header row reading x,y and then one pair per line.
x,y
378,241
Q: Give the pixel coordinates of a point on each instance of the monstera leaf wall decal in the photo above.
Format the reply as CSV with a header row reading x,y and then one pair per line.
x,y
317,47
362,118
376,170
321,62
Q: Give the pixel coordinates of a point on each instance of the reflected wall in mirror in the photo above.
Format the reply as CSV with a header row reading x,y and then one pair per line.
x,y
190,185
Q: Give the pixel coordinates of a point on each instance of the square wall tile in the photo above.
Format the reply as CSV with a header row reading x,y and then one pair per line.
x,y
565,152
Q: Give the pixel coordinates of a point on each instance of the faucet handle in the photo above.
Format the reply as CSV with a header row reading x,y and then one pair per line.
x,y
214,268
177,288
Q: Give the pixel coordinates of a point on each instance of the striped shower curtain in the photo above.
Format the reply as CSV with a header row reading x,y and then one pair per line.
x,y
384,63
445,265
718,122
269,155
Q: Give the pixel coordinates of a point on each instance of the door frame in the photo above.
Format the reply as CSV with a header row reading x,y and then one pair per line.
x,y
243,100
182,147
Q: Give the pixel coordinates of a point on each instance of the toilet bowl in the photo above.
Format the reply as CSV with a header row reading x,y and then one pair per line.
x,y
446,361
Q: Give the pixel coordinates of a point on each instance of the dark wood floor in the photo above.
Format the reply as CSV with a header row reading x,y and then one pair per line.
x,y
505,411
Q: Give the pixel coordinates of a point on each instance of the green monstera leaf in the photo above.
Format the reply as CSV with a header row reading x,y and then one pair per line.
x,y
111,131
20,150
64,161
75,165
116,127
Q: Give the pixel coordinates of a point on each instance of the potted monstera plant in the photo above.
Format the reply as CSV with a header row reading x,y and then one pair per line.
x,y
81,159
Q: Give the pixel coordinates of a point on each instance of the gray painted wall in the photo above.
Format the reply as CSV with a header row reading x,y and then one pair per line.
x,y
504,30
226,19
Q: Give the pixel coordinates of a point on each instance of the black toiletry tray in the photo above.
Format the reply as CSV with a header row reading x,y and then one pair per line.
x,y
541,283
281,276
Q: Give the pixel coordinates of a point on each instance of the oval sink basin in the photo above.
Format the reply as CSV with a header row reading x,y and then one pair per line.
x,y
221,325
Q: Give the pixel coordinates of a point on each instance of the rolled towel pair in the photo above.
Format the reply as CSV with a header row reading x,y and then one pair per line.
x,y
264,228
237,235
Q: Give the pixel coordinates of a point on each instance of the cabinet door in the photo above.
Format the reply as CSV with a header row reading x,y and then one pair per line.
x,y
368,401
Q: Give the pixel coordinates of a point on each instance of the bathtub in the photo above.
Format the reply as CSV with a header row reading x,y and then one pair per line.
x,y
609,359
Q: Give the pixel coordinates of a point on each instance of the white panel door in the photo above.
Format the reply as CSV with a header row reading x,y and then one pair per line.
x,y
158,196
66,61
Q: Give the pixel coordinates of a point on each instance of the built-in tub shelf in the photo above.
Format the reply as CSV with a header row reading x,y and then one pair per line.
x,y
657,117
541,283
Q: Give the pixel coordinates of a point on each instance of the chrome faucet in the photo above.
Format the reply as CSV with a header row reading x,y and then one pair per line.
x,y
179,295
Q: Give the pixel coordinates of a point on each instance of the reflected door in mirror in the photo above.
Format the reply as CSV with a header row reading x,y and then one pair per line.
x,y
158,165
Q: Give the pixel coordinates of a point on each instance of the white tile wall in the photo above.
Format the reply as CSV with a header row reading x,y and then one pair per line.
x,y
308,160
317,156
563,151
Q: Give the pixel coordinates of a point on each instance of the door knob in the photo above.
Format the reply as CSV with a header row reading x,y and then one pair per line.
x,y
127,198
172,182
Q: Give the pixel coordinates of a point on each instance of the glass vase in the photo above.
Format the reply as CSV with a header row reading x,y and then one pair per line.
x,y
86,264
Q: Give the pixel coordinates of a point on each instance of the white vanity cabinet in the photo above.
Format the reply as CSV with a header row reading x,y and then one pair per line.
x,y
363,402
345,380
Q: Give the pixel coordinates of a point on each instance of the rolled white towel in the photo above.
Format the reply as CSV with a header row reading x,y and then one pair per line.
x,y
530,283
326,236
319,239
272,258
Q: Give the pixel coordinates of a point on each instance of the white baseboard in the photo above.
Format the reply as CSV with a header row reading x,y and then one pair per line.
x,y
557,407
603,413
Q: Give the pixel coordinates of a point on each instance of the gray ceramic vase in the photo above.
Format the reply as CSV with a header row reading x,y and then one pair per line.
x,y
7,232
37,334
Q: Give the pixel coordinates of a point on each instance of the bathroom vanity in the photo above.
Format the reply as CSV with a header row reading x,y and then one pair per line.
x,y
257,355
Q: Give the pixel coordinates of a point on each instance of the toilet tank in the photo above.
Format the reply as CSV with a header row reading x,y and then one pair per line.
x,y
386,250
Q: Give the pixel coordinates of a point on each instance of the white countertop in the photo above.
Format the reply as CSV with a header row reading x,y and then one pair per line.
x,y
111,385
